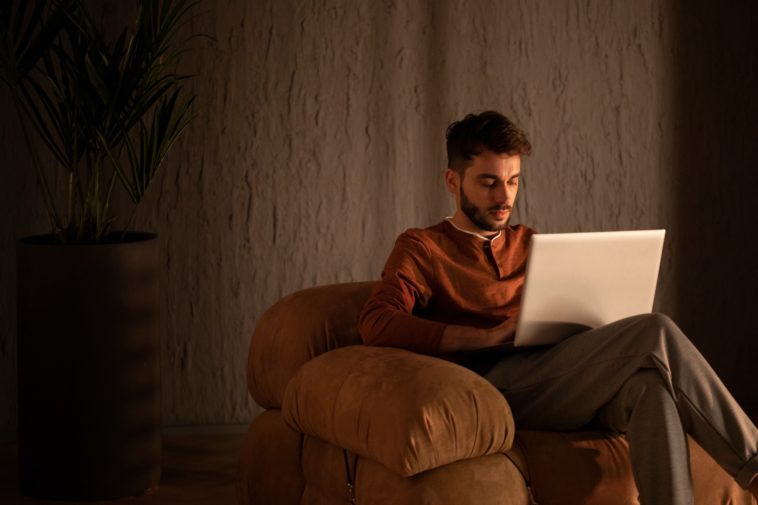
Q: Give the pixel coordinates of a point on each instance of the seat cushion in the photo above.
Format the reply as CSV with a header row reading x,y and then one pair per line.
x,y
409,412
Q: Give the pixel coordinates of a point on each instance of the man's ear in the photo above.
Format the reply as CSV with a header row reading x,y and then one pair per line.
x,y
452,181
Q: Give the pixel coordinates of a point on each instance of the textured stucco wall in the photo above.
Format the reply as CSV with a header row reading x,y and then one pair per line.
x,y
320,137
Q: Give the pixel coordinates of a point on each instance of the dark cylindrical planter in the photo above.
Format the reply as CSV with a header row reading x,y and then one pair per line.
x,y
89,415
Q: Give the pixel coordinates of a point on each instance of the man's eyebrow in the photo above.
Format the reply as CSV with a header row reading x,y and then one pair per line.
x,y
496,177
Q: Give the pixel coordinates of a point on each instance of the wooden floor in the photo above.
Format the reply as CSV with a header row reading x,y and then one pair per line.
x,y
197,470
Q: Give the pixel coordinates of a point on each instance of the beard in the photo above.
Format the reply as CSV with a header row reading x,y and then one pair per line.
x,y
479,217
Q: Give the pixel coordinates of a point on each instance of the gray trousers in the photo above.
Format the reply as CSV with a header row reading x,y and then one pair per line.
x,y
640,376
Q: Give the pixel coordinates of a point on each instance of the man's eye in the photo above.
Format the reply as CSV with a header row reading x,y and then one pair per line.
x,y
513,182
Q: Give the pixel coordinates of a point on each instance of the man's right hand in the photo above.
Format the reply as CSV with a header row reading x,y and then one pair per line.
x,y
467,338
505,332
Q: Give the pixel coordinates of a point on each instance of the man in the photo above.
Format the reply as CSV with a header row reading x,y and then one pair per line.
x,y
453,290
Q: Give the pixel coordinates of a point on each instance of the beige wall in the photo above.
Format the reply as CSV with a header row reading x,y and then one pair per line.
x,y
320,137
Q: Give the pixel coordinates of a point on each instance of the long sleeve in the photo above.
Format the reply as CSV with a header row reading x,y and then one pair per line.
x,y
439,276
387,318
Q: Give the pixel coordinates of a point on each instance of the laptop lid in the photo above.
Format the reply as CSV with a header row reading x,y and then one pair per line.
x,y
578,281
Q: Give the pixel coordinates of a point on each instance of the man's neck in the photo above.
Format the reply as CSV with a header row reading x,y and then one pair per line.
x,y
484,235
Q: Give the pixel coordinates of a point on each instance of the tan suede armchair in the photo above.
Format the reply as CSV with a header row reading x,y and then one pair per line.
x,y
404,428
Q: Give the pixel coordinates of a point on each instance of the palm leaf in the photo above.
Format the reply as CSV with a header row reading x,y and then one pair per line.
x,y
40,32
169,120
39,123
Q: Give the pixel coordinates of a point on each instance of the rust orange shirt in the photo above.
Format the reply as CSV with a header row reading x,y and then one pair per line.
x,y
443,275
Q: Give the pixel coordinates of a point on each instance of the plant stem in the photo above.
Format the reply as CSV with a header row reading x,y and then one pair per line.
x,y
96,199
128,223
108,195
70,206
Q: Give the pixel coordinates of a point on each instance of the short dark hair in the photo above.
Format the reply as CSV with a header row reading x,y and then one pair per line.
x,y
474,133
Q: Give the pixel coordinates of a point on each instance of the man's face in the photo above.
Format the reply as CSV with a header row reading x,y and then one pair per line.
x,y
486,192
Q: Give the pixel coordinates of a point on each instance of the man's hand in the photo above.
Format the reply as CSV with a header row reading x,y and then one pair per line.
x,y
505,332
467,338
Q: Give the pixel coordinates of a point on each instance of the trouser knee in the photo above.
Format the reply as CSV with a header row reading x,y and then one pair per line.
x,y
657,332
663,324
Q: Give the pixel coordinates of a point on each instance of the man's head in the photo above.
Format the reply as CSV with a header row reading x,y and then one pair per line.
x,y
484,163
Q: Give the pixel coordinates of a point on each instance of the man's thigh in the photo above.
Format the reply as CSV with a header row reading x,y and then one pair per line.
x,y
562,387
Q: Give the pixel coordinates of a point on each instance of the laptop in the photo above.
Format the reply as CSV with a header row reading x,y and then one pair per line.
x,y
578,281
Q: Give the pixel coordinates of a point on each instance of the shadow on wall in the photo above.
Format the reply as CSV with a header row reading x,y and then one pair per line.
x,y
715,252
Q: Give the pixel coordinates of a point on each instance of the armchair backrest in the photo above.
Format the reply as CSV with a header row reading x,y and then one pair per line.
x,y
298,328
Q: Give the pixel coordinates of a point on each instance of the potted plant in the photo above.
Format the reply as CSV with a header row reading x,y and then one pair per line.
x,y
107,110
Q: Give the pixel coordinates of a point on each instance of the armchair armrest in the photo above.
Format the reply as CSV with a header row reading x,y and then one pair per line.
x,y
409,412
298,328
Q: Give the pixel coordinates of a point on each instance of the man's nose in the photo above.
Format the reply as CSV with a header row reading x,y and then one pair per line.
x,y
501,195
